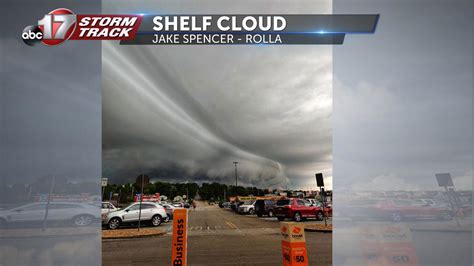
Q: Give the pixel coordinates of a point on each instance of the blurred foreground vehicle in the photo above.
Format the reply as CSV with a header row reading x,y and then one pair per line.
x,y
78,214
357,209
151,212
296,209
397,210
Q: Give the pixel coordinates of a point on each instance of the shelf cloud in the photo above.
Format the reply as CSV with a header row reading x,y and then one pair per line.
x,y
187,113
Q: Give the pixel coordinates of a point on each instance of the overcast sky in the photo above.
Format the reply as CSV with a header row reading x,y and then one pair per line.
x,y
186,113
403,97
50,104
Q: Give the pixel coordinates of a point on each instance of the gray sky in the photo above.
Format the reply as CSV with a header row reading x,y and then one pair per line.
x,y
50,101
186,113
403,97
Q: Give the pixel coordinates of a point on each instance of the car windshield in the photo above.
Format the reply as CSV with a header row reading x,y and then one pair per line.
x,y
131,205
248,202
283,202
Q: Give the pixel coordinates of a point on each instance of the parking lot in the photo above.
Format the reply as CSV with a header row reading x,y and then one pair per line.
x,y
220,237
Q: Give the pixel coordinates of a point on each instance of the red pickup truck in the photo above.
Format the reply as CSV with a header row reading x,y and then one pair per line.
x,y
297,210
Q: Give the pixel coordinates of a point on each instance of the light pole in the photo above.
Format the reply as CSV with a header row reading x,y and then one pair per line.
x,y
235,165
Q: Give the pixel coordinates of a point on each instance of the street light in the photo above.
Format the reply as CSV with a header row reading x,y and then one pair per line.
x,y
235,165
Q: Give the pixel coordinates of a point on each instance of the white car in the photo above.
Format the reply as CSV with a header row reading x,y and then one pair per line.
x,y
247,207
79,214
312,202
107,207
151,212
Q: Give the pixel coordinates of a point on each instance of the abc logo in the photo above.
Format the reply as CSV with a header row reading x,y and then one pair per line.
x,y
31,35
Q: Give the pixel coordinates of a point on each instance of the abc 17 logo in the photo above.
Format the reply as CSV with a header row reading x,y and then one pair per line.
x,y
54,28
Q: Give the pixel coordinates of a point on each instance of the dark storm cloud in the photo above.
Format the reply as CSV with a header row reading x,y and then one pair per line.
x,y
191,111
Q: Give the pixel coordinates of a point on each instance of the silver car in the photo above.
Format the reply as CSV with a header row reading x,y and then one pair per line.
x,y
247,207
150,212
79,214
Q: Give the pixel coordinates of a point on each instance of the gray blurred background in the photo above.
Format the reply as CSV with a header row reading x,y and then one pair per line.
x,y
50,141
403,113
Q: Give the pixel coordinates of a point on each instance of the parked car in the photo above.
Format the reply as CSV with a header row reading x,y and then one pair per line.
x,y
357,209
235,205
78,214
397,210
211,201
327,208
107,207
247,207
151,212
178,204
312,201
297,210
466,209
264,207
169,211
224,204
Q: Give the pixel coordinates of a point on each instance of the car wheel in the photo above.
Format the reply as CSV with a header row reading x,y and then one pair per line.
x,y
156,220
319,216
396,217
167,219
446,216
298,217
281,218
251,211
82,220
114,223
270,213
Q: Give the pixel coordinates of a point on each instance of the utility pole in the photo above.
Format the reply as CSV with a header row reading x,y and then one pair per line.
x,y
140,206
235,164
45,220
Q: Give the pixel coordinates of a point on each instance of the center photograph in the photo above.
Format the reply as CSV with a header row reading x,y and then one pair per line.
x,y
216,154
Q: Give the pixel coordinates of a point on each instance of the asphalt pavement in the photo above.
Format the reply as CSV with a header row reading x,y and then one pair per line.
x,y
217,237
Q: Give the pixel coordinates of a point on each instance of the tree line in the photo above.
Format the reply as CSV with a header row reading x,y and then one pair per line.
x,y
125,193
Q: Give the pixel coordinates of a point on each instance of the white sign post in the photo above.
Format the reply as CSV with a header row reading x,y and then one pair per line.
x,y
104,184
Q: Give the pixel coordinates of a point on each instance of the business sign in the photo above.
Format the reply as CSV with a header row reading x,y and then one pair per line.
x,y
179,241
293,244
153,198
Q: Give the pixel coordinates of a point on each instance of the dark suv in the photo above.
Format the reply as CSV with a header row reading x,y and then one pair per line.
x,y
264,207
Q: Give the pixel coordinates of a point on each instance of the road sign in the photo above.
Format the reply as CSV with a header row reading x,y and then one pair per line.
x,y
142,180
180,237
319,180
444,180
293,244
104,181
